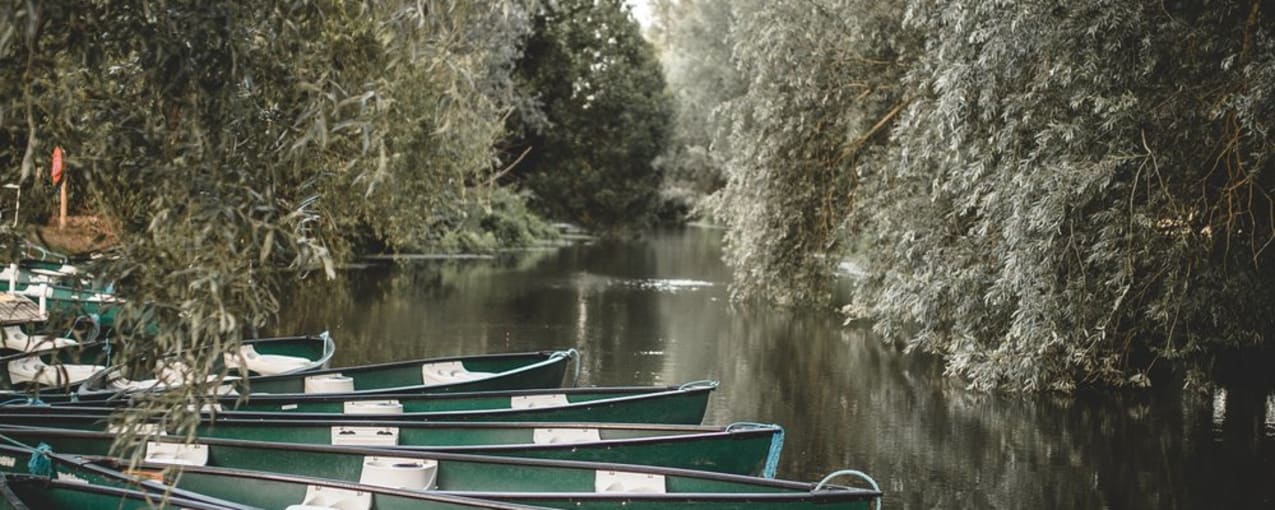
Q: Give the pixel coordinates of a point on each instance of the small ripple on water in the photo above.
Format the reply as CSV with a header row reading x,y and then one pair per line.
x,y
667,284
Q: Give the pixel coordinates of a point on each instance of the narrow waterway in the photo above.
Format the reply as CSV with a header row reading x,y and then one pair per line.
x,y
656,311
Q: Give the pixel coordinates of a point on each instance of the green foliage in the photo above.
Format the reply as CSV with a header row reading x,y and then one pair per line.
x,y
809,120
1049,195
238,142
601,115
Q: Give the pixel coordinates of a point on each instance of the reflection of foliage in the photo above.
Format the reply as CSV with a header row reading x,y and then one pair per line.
x,y
602,115
233,139
1048,196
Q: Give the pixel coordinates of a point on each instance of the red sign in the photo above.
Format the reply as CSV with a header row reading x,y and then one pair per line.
x,y
57,165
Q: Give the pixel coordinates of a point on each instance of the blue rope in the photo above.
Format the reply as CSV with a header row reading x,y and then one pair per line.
x,y
772,457
40,464
776,445
29,401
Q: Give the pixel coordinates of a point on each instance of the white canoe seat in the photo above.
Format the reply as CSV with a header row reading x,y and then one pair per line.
x,y
448,372
265,364
34,370
17,340
538,401
332,498
400,473
171,374
620,481
565,435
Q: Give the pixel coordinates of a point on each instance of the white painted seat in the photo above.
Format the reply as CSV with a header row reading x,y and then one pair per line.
x,y
448,372
175,373
34,370
332,498
265,364
17,340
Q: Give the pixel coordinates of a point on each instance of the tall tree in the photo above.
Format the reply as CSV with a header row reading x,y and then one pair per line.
x,y
601,115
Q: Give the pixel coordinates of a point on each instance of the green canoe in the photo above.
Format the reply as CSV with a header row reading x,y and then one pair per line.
x,y
683,405
27,492
72,301
316,493
553,483
745,449
55,375
544,369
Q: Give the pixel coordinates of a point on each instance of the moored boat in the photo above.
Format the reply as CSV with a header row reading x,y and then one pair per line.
x,y
685,404
554,483
746,448
72,301
544,369
54,374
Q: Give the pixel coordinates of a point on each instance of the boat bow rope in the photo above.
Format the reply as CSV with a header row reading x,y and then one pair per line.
x,y
776,443
850,472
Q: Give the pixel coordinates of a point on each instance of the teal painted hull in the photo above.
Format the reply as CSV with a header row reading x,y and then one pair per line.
x,y
683,405
742,450
316,351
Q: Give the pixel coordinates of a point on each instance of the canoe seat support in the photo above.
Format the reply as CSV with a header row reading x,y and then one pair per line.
x,y
448,372
565,435
538,401
401,473
364,436
318,497
621,481
373,407
329,383
176,453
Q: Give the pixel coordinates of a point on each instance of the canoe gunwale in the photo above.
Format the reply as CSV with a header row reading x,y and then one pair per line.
x,y
549,355
676,434
439,496
191,504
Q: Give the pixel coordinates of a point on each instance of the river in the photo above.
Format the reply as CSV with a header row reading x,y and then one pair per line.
x,y
657,311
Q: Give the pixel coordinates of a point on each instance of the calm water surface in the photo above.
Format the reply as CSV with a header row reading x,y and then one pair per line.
x,y
656,311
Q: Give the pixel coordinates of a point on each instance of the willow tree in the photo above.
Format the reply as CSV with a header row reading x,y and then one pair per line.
x,y
1049,194
238,143
822,83
1080,190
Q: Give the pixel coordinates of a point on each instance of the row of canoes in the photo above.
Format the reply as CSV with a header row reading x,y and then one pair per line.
x,y
286,432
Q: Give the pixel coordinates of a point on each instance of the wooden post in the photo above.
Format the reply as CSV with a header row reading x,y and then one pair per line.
x,y
59,178
66,180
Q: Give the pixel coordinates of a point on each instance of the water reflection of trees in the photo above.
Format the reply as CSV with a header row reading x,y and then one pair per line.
x,y
847,401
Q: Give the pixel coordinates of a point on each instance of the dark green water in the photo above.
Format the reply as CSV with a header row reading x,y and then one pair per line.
x,y
656,310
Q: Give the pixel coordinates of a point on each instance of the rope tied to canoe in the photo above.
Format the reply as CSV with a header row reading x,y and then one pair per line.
x,y
776,444
702,383
573,355
40,463
850,472
28,401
